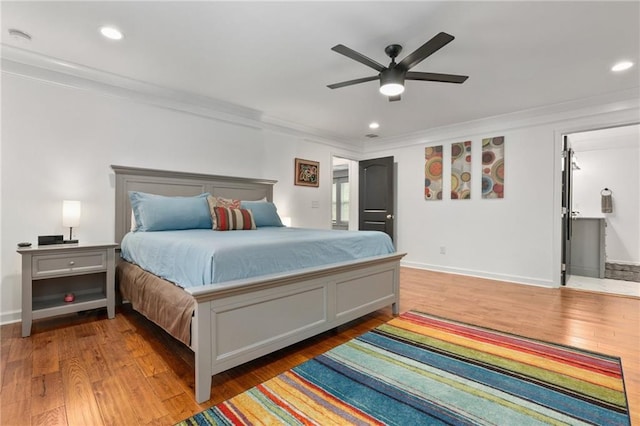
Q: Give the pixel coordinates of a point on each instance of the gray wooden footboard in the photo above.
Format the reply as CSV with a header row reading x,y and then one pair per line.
x,y
243,320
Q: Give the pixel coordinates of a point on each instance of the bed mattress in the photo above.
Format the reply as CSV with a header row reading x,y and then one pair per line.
x,y
196,257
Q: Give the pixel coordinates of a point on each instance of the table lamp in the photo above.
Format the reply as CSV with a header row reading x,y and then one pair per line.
x,y
70,217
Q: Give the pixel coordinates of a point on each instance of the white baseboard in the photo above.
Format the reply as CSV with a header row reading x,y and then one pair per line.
x,y
481,274
10,317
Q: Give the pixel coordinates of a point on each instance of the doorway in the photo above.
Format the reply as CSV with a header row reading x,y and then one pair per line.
x,y
363,194
344,193
605,210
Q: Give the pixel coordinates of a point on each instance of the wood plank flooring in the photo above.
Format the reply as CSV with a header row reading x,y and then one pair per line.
x,y
88,370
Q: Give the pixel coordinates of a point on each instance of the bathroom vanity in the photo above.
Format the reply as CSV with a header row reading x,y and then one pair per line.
x,y
588,247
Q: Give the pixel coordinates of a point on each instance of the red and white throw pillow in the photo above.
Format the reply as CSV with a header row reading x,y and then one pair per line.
x,y
227,219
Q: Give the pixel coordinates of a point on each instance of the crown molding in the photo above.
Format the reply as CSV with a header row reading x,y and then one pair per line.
x,y
615,102
33,65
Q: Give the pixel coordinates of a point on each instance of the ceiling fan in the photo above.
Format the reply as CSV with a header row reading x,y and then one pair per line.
x,y
392,78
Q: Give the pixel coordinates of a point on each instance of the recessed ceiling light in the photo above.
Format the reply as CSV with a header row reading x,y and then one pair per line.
x,y
621,66
374,125
111,33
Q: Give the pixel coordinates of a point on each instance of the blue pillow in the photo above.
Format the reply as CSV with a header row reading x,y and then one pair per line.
x,y
264,213
159,213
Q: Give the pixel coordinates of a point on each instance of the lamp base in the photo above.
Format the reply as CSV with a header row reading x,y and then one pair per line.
x,y
70,241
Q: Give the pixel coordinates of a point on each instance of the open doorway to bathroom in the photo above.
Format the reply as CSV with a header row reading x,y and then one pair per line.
x,y
605,210
344,193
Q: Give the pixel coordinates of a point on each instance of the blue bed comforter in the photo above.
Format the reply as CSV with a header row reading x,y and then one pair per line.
x,y
195,257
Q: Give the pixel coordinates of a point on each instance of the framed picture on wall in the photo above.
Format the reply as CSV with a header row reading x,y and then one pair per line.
x,y
307,172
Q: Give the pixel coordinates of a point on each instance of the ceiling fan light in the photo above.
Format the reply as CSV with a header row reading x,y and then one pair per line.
x,y
391,89
391,82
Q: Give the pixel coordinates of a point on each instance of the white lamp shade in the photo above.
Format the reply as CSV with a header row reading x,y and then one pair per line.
x,y
70,213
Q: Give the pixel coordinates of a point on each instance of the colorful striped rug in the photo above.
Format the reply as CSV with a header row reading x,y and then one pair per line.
x,y
418,369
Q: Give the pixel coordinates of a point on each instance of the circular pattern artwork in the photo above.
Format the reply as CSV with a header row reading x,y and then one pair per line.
x,y
433,173
461,170
493,167
490,168
433,168
456,150
488,157
497,141
487,184
455,181
497,171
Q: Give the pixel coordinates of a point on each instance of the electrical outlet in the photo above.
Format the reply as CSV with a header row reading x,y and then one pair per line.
x,y
315,204
443,250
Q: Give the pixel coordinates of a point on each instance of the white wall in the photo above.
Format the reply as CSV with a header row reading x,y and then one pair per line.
x,y
616,168
515,239
506,239
58,143
298,201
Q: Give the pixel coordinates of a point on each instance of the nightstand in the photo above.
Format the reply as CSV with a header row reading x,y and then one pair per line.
x,y
50,272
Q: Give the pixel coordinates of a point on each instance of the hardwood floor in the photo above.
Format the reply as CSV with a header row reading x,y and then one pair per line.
x,y
88,370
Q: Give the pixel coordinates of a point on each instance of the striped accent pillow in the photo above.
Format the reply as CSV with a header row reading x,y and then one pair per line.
x,y
228,219
220,202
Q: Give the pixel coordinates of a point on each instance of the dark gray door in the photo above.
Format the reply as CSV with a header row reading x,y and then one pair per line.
x,y
567,176
377,195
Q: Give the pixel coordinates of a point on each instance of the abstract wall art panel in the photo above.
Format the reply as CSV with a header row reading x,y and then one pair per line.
x,y
461,170
433,173
493,167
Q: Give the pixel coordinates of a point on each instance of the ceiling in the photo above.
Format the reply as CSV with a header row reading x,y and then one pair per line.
x,y
275,58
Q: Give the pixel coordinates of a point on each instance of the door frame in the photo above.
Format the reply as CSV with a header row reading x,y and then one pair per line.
x,y
567,208
559,134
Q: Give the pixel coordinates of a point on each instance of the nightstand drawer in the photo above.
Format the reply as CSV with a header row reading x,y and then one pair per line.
x,y
65,264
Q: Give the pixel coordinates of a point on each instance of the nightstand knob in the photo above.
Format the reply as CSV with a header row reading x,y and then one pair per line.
x,y
71,263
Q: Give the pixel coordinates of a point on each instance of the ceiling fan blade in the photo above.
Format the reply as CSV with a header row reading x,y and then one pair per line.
x,y
431,76
350,53
394,98
351,82
427,49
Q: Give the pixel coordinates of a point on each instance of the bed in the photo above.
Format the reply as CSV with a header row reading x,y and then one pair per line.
x,y
235,320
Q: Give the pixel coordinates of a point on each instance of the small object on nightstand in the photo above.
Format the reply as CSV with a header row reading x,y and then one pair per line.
x,y
69,297
47,240
25,244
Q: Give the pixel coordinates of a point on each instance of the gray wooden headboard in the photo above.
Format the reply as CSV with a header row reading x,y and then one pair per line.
x,y
170,183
